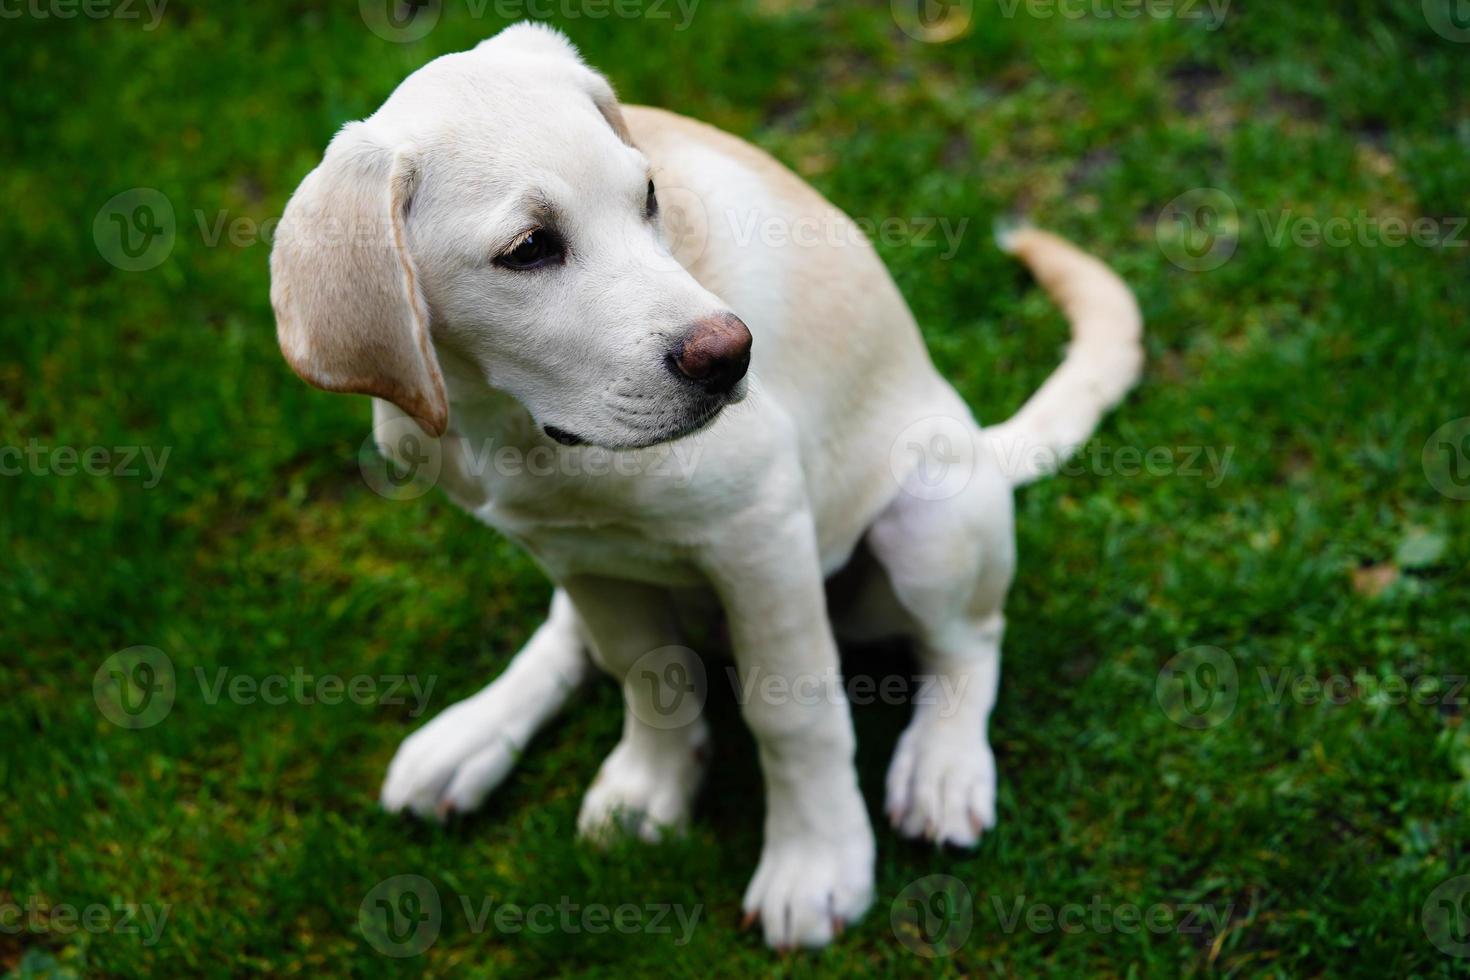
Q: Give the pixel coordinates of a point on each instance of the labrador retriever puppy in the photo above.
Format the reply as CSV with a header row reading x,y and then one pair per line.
x,y
516,267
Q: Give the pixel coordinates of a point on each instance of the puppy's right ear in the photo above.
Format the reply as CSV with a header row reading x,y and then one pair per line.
x,y
350,315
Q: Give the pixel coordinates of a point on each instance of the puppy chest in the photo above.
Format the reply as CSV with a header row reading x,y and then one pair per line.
x,y
610,550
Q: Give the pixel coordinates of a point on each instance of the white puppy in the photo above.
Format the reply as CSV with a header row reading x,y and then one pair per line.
x,y
508,257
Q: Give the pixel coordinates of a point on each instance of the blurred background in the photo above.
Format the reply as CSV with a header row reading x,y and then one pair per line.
x,y
1234,693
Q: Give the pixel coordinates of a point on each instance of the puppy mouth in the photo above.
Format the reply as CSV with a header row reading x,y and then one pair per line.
x,y
563,436
688,427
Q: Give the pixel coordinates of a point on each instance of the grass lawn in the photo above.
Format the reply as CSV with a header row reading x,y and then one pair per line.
x,y
1203,716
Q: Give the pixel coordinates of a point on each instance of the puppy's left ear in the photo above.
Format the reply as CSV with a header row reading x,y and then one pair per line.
x,y
350,314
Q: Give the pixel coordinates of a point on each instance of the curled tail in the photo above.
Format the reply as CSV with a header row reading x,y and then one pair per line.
x,y
1103,360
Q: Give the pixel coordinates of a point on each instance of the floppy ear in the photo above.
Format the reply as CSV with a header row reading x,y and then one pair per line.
x,y
350,315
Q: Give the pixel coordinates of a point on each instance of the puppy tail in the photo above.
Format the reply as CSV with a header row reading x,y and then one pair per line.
x,y
1103,361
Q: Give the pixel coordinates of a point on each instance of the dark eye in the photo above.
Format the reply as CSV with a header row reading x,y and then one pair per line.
x,y
650,206
537,249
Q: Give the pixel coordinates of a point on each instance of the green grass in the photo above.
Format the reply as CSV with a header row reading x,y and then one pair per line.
x,y
1317,831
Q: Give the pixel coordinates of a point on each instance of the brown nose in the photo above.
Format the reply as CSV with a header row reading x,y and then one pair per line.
x,y
715,354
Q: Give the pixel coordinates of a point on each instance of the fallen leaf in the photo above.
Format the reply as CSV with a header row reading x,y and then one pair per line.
x,y
1371,580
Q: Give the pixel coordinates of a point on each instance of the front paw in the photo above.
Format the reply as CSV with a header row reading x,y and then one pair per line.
x,y
805,891
452,763
941,785
646,790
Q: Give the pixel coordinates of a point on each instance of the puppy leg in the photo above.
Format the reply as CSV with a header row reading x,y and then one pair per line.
x,y
647,785
453,762
816,866
949,563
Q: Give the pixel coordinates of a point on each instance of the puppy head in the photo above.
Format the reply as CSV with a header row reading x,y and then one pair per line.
x,y
495,208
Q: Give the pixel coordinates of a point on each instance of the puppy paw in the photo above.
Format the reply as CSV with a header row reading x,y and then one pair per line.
x,y
452,763
941,786
644,792
805,891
